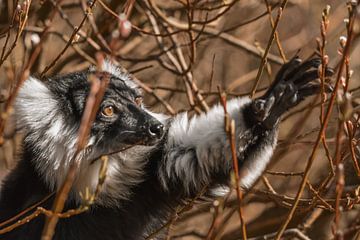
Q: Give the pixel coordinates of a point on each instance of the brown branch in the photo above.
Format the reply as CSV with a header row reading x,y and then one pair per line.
x,y
171,57
8,32
74,33
12,219
323,127
229,125
266,53
340,183
285,174
352,144
177,214
214,32
23,17
24,75
65,39
292,232
88,200
277,38
151,91
92,104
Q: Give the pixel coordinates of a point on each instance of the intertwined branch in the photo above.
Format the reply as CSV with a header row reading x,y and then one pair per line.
x,y
179,50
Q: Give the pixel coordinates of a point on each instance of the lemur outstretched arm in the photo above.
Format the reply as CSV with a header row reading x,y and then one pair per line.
x,y
187,156
193,153
197,151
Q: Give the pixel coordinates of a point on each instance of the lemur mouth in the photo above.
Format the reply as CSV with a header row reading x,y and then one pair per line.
x,y
96,158
147,137
143,142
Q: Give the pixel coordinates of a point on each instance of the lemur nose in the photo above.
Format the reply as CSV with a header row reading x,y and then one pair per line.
x,y
156,130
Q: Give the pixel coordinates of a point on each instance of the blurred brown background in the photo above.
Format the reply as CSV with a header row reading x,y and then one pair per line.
x,y
180,65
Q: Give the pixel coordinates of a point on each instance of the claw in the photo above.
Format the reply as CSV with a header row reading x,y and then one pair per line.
x,y
328,88
329,72
292,84
306,77
259,106
294,98
287,68
309,89
289,97
262,107
313,63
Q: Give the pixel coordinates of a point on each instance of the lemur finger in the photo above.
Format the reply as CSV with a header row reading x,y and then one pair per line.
x,y
292,84
329,72
258,109
328,88
313,63
281,94
280,76
311,75
309,89
274,115
312,89
287,68
305,77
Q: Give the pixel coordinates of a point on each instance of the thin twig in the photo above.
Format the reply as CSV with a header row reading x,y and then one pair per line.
x,y
322,130
277,38
229,125
74,33
24,75
265,56
92,104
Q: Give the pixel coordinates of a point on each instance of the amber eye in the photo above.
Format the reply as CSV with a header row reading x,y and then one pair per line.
x,y
138,101
108,111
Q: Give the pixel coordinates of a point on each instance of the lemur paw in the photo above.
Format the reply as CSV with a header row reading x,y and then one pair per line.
x,y
293,83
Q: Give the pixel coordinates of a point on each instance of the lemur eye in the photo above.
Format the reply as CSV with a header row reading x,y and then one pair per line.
x,y
108,111
138,101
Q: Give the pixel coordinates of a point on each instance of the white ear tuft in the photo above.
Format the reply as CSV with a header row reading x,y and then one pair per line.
x,y
109,67
35,105
38,113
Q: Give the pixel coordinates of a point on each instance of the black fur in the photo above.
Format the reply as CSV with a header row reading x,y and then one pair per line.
x,y
150,203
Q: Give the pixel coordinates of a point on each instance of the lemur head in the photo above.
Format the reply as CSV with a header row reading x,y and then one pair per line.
x,y
121,120
50,113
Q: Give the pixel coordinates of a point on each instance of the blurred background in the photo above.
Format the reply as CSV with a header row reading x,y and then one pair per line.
x,y
182,52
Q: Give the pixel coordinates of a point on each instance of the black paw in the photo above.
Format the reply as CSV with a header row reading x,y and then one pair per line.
x,y
293,83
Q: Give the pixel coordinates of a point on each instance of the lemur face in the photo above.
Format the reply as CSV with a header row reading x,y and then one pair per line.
x,y
121,120
50,114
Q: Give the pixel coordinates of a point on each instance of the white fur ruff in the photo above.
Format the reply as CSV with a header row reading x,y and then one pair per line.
x,y
198,146
37,113
194,148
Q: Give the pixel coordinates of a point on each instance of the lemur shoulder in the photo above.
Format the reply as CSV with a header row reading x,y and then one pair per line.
x,y
177,158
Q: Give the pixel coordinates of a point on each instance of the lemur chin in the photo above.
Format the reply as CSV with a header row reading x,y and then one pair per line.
x,y
178,157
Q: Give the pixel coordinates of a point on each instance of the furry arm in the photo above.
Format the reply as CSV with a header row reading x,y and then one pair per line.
x,y
197,150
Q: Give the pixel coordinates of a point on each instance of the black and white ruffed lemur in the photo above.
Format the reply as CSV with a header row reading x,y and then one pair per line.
x,y
178,156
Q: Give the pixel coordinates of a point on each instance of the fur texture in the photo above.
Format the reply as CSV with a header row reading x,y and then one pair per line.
x,y
177,158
